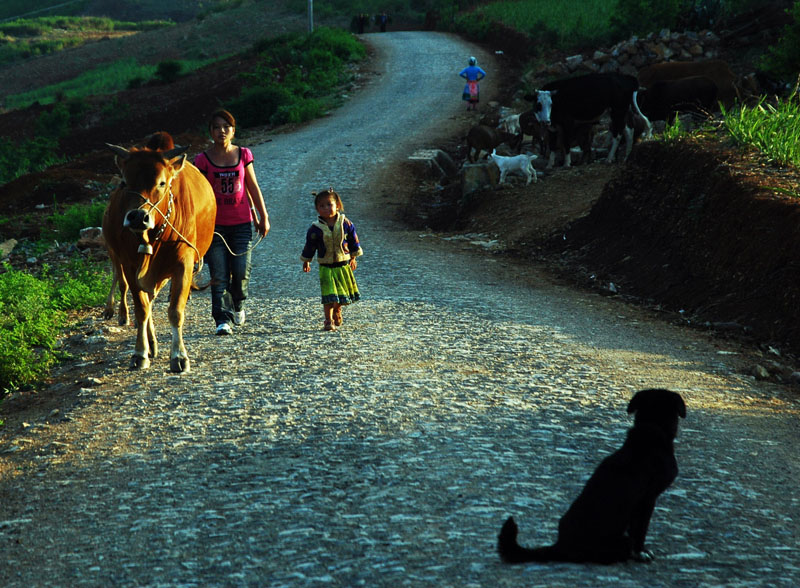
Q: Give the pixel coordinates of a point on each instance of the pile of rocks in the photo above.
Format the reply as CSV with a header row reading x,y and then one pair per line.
x,y
629,56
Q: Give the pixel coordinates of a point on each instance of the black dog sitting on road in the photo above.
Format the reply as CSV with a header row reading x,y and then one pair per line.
x,y
608,521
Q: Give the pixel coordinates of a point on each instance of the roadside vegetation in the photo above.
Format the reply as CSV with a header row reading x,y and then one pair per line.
x,y
772,129
297,79
35,306
294,78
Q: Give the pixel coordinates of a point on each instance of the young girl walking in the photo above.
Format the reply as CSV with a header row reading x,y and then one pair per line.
x,y
333,239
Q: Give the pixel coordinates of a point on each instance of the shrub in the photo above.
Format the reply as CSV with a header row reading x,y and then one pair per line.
x,y
17,159
54,123
69,223
296,72
33,314
80,284
641,17
256,105
168,71
298,111
29,325
783,58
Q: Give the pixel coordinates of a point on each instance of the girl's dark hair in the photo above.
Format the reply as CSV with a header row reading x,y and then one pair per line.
x,y
319,196
224,115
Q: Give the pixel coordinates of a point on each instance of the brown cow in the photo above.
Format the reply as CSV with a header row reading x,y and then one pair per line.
x,y
158,141
158,224
715,69
664,99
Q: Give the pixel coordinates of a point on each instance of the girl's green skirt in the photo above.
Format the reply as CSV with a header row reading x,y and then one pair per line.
x,y
338,285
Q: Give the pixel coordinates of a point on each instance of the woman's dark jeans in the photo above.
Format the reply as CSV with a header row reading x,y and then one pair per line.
x,y
230,274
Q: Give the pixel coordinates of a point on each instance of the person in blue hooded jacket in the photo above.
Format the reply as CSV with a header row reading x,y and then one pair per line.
x,y
473,74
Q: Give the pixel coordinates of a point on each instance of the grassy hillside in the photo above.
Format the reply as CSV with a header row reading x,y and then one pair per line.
x,y
134,10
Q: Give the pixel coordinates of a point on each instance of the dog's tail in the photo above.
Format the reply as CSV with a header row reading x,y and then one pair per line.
x,y
511,552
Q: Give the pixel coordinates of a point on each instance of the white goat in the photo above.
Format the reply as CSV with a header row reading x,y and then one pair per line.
x,y
510,124
518,163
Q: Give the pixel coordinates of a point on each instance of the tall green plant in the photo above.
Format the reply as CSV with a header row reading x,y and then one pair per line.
x,y
773,130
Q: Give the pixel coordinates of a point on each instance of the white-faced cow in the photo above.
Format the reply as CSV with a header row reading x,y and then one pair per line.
x,y
716,70
566,106
158,224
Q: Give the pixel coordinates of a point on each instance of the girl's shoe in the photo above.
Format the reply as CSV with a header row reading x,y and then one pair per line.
x,y
337,317
328,326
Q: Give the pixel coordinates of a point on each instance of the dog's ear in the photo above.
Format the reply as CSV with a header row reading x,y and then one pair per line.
x,y
680,405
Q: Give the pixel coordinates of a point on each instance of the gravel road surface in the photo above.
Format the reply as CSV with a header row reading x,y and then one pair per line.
x,y
460,391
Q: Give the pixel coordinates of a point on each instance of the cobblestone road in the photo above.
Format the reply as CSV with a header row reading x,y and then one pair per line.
x,y
389,453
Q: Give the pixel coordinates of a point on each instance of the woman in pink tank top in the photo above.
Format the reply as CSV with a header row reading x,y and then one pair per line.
x,y
240,204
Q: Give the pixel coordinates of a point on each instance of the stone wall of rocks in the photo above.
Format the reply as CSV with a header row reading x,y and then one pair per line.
x,y
629,56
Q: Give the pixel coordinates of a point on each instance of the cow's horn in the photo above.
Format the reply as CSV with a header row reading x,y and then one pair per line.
x,y
175,152
119,151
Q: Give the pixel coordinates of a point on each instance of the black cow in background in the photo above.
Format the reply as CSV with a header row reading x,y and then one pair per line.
x,y
568,105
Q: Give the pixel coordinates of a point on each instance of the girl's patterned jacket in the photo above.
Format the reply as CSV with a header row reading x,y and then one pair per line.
x,y
332,246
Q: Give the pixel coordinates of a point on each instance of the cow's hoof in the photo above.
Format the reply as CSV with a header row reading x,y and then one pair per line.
x,y
179,365
139,363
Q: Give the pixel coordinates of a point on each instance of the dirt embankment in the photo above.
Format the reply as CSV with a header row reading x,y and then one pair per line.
x,y
700,230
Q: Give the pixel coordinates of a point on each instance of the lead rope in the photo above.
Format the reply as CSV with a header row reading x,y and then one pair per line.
x,y
260,238
163,226
224,242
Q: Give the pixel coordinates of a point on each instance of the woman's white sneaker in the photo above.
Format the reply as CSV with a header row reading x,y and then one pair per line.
x,y
224,329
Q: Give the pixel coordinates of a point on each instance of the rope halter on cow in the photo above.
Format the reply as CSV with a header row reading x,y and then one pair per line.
x,y
147,248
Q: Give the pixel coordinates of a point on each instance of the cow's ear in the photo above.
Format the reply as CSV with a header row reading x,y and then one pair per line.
x,y
177,163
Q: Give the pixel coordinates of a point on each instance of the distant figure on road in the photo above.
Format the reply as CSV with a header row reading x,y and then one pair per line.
x,y
361,20
473,74
334,241
383,20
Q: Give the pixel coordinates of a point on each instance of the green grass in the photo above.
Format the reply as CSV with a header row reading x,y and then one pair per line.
x,y
34,308
568,24
298,77
773,130
33,313
105,79
29,37
145,9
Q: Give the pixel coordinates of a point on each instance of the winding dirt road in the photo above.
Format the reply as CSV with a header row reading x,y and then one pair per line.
x,y
390,452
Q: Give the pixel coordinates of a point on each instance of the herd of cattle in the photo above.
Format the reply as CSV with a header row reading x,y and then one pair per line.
x,y
564,112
